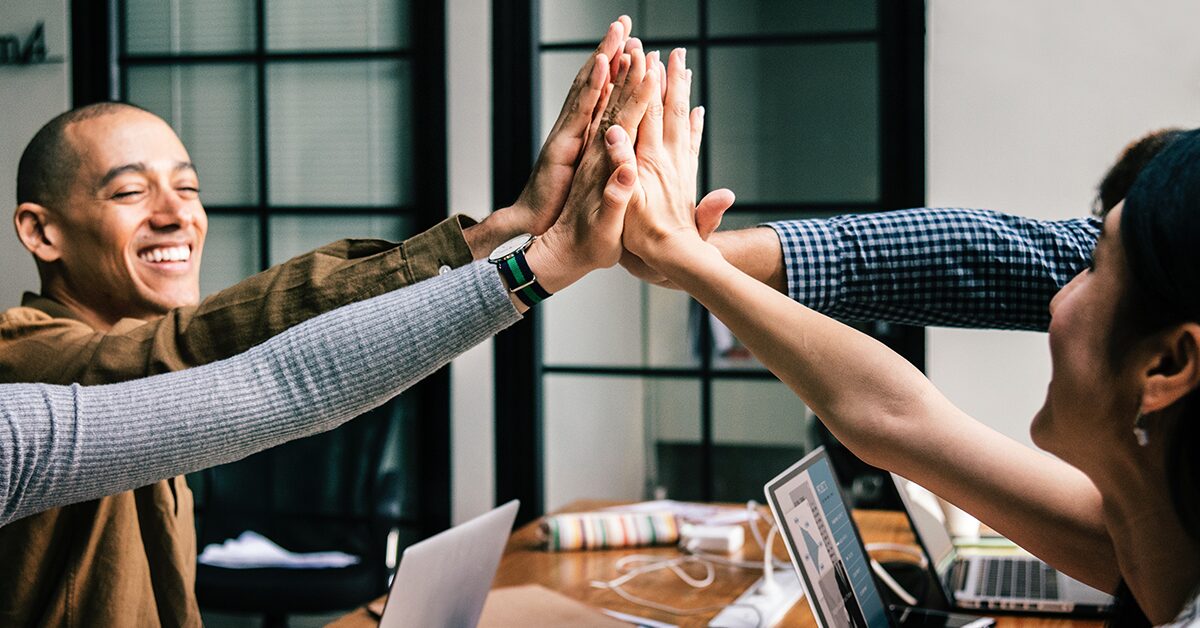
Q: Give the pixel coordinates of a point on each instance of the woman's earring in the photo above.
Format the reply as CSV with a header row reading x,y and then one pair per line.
x,y
1139,430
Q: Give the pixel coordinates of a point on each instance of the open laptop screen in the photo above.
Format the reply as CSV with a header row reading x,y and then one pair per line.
x,y
922,509
825,545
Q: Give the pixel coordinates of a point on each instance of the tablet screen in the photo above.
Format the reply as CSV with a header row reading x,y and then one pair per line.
x,y
825,547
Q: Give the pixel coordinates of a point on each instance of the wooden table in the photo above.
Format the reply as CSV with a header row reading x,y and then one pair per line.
x,y
571,573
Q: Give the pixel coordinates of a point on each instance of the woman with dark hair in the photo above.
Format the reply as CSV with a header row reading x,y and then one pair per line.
x,y
1119,503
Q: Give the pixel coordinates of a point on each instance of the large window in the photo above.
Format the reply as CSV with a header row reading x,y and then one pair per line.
x,y
305,124
813,109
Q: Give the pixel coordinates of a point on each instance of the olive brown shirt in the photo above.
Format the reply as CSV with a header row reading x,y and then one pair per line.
x,y
129,559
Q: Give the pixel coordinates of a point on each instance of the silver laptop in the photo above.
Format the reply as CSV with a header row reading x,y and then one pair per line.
x,y
1019,583
444,580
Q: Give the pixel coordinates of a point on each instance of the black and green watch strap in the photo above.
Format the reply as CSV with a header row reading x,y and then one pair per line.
x,y
521,280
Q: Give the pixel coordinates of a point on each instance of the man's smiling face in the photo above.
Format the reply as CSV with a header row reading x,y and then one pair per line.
x,y
131,227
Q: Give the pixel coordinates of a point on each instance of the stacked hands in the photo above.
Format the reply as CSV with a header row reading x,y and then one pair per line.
x,y
616,178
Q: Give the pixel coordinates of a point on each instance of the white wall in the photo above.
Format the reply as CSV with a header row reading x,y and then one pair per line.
x,y
469,115
1029,102
29,97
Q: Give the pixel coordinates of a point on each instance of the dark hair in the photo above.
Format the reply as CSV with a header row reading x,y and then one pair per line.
x,y
49,163
1121,175
1160,234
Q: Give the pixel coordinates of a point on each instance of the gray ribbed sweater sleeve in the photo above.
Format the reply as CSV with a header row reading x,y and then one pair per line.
x,y
65,444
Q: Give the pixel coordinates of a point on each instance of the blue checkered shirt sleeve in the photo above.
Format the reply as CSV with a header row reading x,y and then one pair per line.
x,y
946,267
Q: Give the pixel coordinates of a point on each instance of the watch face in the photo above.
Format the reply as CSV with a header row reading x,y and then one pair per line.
x,y
512,246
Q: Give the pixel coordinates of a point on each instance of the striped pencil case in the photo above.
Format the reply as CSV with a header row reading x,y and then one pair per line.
x,y
597,530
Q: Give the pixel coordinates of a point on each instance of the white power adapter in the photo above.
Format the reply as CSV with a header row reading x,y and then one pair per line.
x,y
714,539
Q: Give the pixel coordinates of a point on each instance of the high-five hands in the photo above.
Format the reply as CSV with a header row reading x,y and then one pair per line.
x,y
587,234
545,193
587,173
662,214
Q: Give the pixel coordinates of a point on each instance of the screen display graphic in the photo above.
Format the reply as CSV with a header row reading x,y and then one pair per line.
x,y
823,539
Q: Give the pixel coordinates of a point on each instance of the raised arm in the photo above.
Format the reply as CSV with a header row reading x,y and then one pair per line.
x,y
874,401
950,267
61,445
947,267
342,272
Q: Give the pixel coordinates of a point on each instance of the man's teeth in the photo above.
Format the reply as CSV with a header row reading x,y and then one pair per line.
x,y
167,254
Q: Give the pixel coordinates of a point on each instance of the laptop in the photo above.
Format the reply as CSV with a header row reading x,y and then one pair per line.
x,y
828,554
1020,583
444,580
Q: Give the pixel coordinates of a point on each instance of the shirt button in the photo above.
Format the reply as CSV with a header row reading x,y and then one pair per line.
x,y
443,270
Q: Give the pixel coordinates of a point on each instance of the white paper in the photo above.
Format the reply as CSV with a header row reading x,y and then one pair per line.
x,y
251,550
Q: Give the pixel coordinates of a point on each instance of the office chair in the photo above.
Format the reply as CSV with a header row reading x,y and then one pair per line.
x,y
347,490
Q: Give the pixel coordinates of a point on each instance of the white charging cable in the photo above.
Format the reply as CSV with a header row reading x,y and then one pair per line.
x,y
647,563
886,577
650,563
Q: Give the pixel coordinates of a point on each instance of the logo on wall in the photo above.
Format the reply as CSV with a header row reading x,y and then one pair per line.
x,y
30,51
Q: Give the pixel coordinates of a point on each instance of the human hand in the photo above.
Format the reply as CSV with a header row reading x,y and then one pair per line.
x,y
709,212
558,258
546,191
662,210
587,235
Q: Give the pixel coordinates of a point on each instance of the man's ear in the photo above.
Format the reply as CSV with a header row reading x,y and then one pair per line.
x,y
37,232
1175,371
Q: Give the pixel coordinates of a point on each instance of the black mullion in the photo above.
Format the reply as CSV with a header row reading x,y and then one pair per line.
x,y
92,72
264,240
122,71
708,473
420,214
659,372
260,77
823,208
844,37
247,57
433,430
517,361
902,135
116,47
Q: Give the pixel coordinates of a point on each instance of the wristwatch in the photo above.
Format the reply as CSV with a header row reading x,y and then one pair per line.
x,y
509,259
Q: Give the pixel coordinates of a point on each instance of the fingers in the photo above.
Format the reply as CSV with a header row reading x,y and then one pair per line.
x,y
627,26
697,134
614,38
697,129
580,103
620,149
711,209
596,115
637,69
619,188
677,102
628,100
581,114
650,132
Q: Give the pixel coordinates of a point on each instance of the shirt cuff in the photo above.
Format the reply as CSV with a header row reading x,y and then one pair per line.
x,y
442,247
811,254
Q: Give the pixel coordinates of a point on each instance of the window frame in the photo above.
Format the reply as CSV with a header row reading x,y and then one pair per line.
x,y
900,38
100,67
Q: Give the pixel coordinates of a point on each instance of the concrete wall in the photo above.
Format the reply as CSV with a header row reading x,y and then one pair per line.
x,y
29,96
1029,102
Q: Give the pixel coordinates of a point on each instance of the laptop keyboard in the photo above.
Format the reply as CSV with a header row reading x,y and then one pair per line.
x,y
1019,578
